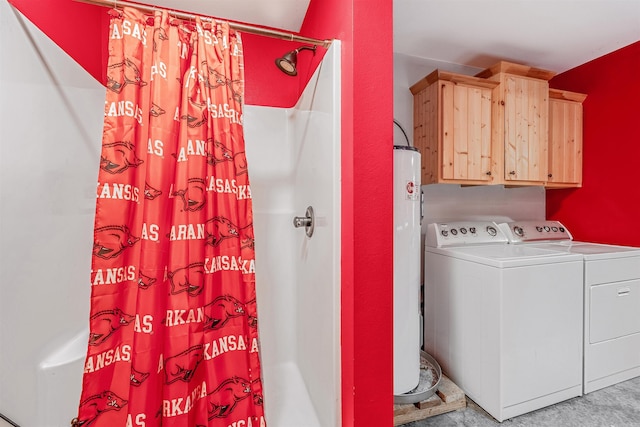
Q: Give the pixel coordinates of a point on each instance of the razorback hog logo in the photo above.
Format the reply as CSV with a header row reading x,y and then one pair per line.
x,y
252,317
193,195
144,281
182,366
109,241
220,153
223,400
214,80
156,110
237,89
210,77
222,309
118,156
96,405
151,193
122,74
137,377
195,121
240,161
258,399
218,229
189,279
159,35
196,114
105,323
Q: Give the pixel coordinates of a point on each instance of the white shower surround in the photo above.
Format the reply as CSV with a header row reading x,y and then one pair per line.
x,y
294,160
51,122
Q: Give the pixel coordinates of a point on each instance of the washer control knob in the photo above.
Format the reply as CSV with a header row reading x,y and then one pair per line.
x,y
518,231
546,228
454,232
492,230
463,230
444,233
472,230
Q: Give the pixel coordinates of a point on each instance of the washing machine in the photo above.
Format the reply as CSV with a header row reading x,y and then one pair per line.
x,y
504,321
611,300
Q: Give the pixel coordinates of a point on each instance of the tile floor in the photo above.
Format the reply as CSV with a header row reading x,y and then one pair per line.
x,y
615,406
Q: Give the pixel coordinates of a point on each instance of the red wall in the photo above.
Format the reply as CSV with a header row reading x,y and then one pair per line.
x,y
265,84
85,40
607,207
365,28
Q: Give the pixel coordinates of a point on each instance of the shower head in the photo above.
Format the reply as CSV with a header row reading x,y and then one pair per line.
x,y
289,60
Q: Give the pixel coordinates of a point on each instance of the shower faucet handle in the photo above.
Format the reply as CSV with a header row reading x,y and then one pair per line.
x,y
306,221
301,221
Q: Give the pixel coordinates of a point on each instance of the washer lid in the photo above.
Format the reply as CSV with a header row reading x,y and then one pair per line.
x,y
506,256
592,251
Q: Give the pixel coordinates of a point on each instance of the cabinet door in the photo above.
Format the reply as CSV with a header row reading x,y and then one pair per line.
x,y
466,132
565,143
526,109
425,131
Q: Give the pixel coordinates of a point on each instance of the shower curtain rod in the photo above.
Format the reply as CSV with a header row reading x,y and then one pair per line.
x,y
235,25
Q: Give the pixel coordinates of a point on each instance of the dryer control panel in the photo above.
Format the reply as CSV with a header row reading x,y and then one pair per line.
x,y
463,233
535,231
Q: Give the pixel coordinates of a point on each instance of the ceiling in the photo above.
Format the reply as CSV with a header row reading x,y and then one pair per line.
x,y
556,35
281,14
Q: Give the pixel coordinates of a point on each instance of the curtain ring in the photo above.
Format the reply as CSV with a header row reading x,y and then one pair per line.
x,y
115,12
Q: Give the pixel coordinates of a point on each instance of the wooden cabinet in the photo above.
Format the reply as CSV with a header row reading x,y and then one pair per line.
x,y
520,117
452,128
565,139
503,126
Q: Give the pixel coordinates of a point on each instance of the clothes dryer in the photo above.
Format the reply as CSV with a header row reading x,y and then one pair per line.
x,y
504,321
611,300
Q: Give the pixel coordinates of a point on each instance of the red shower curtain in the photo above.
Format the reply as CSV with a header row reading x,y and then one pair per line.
x,y
173,326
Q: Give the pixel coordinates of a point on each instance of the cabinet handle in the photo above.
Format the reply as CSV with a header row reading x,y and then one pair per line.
x,y
624,291
512,173
550,175
489,173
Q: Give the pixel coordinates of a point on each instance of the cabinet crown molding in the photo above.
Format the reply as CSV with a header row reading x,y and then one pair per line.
x,y
516,69
451,77
566,95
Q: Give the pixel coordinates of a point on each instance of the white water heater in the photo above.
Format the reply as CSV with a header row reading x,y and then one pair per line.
x,y
406,268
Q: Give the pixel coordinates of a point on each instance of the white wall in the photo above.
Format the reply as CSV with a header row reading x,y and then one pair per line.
x,y
408,70
316,136
294,161
451,202
50,127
